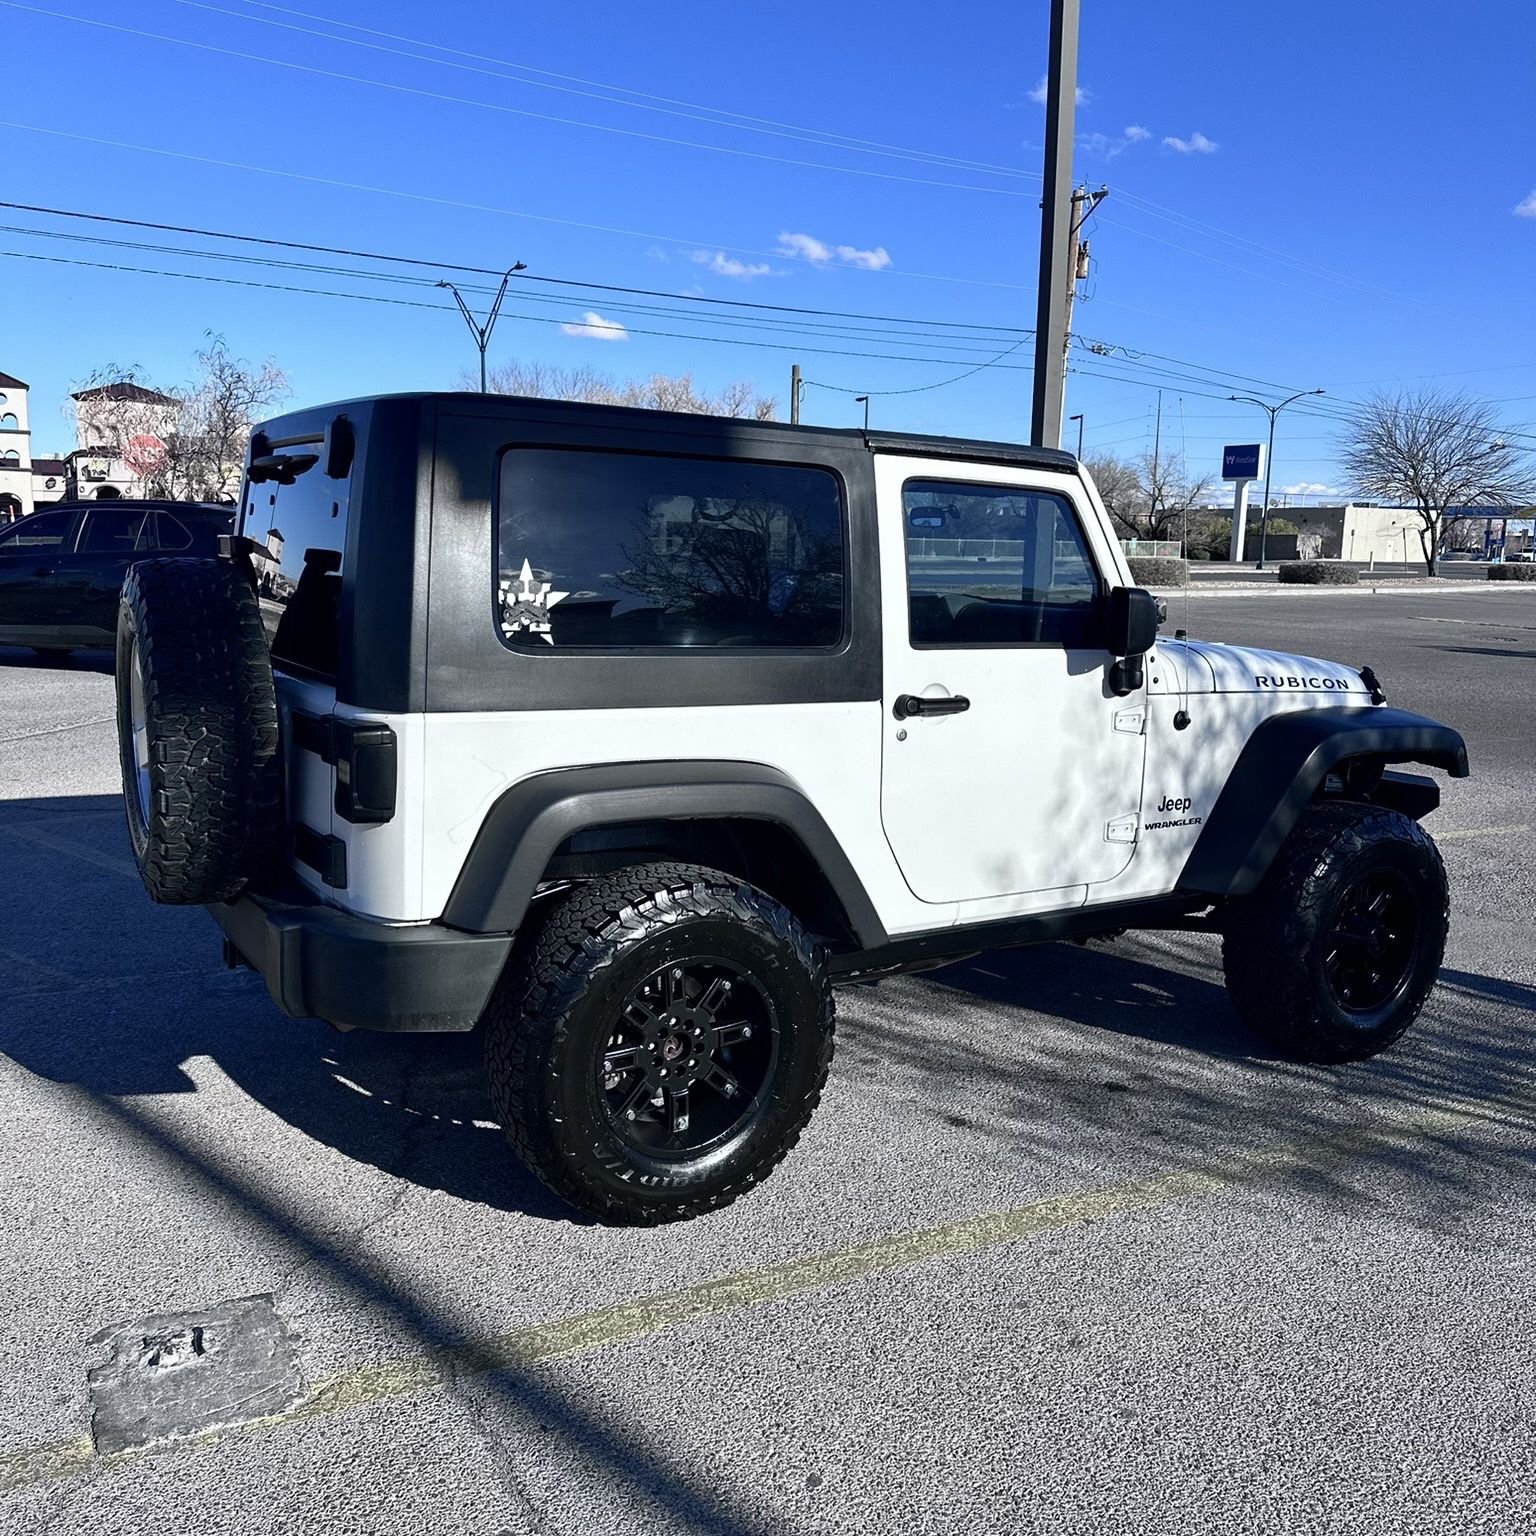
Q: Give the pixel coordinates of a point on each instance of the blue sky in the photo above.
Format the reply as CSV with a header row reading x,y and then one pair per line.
x,y
1305,195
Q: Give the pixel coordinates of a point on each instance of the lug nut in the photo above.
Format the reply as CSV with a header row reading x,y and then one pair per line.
x,y
662,1072
629,1114
682,1122
746,1031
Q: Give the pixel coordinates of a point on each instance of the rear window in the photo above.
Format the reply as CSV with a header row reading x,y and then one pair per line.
x,y
612,551
301,531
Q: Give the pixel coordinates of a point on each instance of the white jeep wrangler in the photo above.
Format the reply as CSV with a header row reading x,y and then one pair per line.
x,y
628,735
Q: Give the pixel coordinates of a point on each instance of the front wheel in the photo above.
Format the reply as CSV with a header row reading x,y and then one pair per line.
x,y
659,1043
1334,955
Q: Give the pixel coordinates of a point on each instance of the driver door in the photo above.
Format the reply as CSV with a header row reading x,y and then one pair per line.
x,y
1010,769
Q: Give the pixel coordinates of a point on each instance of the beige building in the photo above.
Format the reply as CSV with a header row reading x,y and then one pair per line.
x,y
116,426
15,450
1356,533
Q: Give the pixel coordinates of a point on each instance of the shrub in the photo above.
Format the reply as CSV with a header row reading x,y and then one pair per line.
x,y
1318,573
1512,573
1149,572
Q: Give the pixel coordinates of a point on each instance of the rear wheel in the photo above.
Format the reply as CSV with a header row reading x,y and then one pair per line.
x,y
659,1044
1333,957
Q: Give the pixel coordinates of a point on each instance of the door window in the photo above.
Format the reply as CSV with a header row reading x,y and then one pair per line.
x,y
997,565
43,530
115,530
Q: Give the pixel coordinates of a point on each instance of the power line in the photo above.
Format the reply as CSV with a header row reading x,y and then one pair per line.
x,y
919,389
601,91
511,213
501,107
529,277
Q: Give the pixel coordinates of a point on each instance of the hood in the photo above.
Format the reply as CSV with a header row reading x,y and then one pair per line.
x,y
1243,669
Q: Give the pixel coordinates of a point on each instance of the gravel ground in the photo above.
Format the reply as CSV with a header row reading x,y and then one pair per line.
x,y
1121,1271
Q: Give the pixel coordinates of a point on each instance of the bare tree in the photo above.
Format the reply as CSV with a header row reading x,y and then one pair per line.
x,y
184,443
660,392
1148,497
1434,450
1120,487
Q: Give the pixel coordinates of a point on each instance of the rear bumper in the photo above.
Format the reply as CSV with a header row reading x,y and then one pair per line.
x,y
321,963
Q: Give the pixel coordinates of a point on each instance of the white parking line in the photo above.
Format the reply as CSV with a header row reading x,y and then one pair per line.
x,y
67,845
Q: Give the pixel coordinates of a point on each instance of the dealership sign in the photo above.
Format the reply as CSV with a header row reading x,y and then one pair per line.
x,y
1244,461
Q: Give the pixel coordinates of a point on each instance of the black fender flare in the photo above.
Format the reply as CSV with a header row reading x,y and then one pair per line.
x,y
1278,773
531,819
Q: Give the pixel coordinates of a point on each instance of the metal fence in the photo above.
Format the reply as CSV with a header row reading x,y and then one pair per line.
x,y
1153,549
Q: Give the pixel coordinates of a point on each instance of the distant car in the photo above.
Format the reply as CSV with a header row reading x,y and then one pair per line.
x,y
1522,556
61,569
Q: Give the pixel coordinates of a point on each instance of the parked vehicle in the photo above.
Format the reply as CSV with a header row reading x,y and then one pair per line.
x,y
629,734
61,569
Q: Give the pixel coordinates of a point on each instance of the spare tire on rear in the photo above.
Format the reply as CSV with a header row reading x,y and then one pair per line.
x,y
196,729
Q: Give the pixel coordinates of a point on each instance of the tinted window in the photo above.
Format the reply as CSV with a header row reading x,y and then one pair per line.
x,y
992,565
42,530
611,550
170,535
303,527
116,531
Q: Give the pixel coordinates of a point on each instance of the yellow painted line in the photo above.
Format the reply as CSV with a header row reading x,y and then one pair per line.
x,y
1451,837
587,1332
67,845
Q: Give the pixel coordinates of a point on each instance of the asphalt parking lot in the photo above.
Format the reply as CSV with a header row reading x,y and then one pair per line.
x,y
1063,1251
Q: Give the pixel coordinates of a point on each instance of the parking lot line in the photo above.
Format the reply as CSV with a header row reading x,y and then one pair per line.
x,y
606,1327
1452,836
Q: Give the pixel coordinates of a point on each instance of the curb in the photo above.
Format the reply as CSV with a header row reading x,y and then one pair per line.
x,y
1381,588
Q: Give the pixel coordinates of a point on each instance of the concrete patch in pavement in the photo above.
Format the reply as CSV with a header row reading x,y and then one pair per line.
x,y
179,1375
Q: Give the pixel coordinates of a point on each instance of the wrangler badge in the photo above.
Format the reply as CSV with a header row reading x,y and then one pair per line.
x,y
525,605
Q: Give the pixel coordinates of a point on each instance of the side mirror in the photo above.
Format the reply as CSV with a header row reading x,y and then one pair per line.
x,y
1133,621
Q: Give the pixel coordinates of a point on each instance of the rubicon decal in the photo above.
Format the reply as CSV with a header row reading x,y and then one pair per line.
x,y
1268,680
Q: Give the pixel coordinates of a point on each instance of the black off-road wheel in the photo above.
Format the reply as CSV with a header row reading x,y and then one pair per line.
x,y
1333,957
659,1042
196,729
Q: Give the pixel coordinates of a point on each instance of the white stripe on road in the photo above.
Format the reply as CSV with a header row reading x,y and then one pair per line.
x,y
67,845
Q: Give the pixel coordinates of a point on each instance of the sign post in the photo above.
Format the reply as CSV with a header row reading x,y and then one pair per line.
x,y
1242,463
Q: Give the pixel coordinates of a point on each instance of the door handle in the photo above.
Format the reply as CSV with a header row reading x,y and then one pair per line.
x,y
910,704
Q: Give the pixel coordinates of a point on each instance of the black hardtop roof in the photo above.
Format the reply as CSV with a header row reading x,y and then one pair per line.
x,y
311,419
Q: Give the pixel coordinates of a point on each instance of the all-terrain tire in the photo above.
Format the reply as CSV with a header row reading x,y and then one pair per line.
x,y
201,773
553,1014
1295,951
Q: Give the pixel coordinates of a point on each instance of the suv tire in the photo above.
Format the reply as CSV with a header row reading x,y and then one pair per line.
x,y
671,982
1334,955
196,729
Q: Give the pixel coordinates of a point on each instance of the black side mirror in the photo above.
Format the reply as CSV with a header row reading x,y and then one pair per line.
x,y
1133,621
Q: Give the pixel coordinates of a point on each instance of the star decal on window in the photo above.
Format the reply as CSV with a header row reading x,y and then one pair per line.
x,y
525,605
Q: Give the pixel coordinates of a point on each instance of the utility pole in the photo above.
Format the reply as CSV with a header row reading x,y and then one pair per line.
x,y
1157,449
1056,254
794,395
1269,457
1083,203
482,333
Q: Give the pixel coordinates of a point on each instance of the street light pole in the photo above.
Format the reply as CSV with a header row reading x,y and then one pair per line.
x,y
864,401
482,333
1079,421
1269,457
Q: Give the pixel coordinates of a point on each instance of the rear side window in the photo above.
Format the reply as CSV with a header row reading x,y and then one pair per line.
x,y
997,565
117,530
301,530
610,551
170,534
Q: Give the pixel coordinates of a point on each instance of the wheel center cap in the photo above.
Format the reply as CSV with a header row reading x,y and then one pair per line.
x,y
672,1047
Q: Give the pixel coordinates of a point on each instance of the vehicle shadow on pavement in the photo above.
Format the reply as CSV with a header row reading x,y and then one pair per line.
x,y
23,659
1127,1057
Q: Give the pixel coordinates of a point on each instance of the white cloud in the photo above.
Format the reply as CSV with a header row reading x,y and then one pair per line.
x,y
808,247
1527,209
594,326
1038,95
818,252
1110,145
727,266
871,261
1309,488
1195,144
655,253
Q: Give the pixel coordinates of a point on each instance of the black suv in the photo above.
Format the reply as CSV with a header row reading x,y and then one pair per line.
x,y
62,568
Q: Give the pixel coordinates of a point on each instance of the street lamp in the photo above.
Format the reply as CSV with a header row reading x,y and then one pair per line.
x,y
482,333
1274,410
864,401
1079,421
